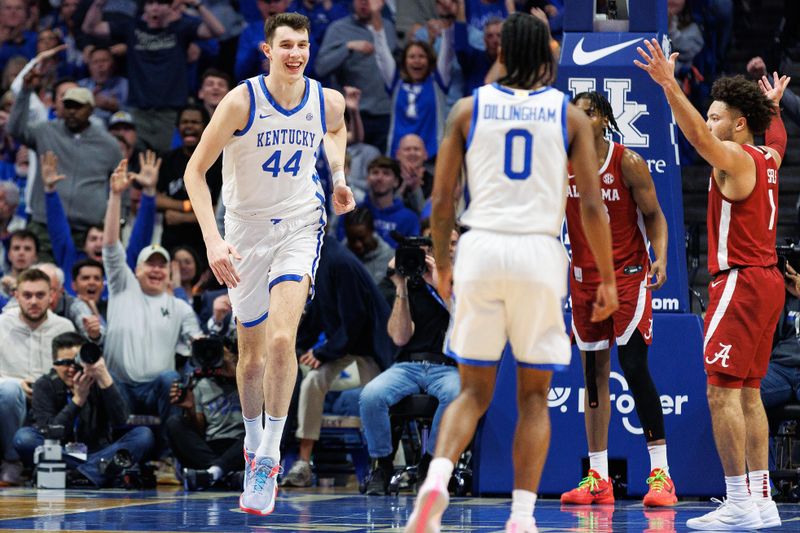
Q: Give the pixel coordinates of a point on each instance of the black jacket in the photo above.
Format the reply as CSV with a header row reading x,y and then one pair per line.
x,y
103,410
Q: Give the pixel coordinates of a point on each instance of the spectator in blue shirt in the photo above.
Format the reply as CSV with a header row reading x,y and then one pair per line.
x,y
15,40
110,91
388,211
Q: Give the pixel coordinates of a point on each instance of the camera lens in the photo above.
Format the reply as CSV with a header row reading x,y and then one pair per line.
x,y
90,353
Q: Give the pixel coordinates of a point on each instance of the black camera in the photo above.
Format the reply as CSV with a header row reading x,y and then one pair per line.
x,y
89,354
208,354
409,258
788,253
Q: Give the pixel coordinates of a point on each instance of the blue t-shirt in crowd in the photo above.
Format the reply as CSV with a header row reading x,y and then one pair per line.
x,y
157,62
417,108
25,47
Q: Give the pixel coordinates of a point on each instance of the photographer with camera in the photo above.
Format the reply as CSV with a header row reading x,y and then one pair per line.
x,y
79,394
208,436
417,325
781,384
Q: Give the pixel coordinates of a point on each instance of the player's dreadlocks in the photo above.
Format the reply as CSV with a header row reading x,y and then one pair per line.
x,y
599,103
525,43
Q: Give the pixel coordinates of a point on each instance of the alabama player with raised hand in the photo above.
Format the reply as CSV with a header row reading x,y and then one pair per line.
x,y
747,292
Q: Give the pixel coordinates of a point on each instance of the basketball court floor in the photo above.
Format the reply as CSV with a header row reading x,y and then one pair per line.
x,y
330,510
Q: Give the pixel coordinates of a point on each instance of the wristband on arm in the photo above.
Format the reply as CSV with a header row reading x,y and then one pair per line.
x,y
338,179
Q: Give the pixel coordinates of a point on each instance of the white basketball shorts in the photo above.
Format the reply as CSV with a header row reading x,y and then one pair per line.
x,y
272,251
509,288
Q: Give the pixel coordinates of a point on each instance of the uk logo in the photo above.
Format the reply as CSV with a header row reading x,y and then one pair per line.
x,y
722,355
626,111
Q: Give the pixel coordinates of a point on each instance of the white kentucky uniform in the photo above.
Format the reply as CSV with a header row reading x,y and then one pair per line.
x,y
510,273
274,204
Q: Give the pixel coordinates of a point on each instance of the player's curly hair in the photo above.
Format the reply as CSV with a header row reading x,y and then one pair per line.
x,y
743,95
600,104
525,41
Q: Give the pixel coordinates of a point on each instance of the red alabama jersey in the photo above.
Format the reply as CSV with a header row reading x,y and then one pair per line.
x,y
628,235
743,233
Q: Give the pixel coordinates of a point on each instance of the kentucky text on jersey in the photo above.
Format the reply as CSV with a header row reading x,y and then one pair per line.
x,y
286,136
515,112
609,195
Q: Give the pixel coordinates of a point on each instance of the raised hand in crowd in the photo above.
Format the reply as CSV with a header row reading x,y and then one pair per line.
x,y
50,176
120,178
149,165
92,323
174,276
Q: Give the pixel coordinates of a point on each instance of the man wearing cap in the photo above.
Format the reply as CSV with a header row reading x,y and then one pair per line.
x,y
86,153
146,324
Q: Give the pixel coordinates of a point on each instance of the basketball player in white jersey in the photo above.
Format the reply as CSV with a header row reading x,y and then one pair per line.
x,y
269,129
511,270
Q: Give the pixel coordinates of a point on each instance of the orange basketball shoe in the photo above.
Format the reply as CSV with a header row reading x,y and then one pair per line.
x,y
662,490
591,489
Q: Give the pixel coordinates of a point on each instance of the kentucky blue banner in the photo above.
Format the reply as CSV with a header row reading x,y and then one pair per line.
x,y
603,62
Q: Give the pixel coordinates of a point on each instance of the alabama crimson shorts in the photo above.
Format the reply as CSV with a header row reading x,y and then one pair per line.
x,y
635,312
744,306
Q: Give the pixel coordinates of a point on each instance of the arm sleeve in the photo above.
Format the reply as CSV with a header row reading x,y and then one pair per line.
x,y
58,229
775,136
383,56
142,232
444,63
118,274
44,410
18,125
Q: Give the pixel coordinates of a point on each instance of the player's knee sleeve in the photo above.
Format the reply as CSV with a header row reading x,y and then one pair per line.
x,y
633,360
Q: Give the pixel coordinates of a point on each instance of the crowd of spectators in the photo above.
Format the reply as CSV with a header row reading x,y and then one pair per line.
x,y
102,104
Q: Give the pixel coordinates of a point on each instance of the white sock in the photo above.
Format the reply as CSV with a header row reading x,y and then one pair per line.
x,y
215,471
658,457
522,502
441,467
253,433
598,461
736,489
759,485
271,441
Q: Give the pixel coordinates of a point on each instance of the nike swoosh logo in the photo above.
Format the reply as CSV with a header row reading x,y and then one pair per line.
x,y
582,57
715,283
261,115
